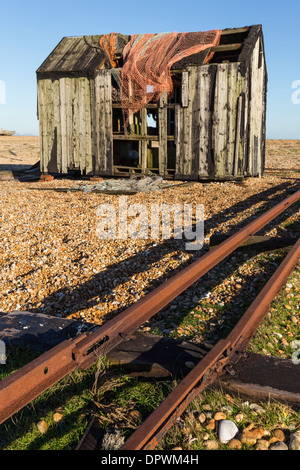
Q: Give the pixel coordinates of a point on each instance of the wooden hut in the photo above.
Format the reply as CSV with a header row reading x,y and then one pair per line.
x,y
212,128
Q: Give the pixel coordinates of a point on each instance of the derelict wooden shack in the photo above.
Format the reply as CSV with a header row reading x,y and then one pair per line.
x,y
211,127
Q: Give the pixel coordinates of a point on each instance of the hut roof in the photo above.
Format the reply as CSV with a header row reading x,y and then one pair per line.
x,y
83,54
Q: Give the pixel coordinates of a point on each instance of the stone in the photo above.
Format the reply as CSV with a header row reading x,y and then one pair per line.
x,y
239,417
42,426
295,441
202,418
279,434
262,444
211,425
219,416
251,435
227,430
57,417
211,444
257,408
235,444
278,446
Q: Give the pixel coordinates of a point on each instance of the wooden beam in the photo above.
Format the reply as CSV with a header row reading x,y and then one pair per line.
x,y
261,242
235,31
261,377
226,47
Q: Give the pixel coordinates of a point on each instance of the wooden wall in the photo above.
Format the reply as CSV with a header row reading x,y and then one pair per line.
x,y
75,124
210,138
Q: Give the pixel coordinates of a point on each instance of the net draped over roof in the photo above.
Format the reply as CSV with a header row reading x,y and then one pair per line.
x,y
147,60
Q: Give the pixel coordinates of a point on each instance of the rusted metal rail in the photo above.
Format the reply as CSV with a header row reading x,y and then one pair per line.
x,y
226,352
21,387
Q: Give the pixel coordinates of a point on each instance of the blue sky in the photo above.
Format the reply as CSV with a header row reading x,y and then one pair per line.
x,y
30,30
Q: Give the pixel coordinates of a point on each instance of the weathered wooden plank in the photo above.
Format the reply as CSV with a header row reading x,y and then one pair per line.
x,y
144,143
219,131
42,123
232,117
257,70
185,89
108,123
237,155
162,134
102,125
75,151
57,125
205,89
63,120
263,243
263,378
156,356
51,131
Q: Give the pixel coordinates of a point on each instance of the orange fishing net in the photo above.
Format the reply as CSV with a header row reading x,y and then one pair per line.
x,y
147,60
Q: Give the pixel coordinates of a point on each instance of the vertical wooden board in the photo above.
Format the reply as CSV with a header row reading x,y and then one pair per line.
x,y
187,128
102,135
219,131
81,124
205,90
57,124
97,122
236,117
69,162
185,89
163,131
42,123
86,158
51,131
144,143
178,140
194,99
76,137
232,117
84,128
63,120
246,124
256,110
108,123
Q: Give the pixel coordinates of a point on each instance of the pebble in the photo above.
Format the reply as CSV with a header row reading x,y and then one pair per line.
x,y
239,417
211,425
227,430
295,441
42,426
219,416
278,446
202,418
57,417
257,408
235,444
211,444
279,434
262,444
250,436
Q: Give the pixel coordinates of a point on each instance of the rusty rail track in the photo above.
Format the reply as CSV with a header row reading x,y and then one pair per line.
x,y
21,387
